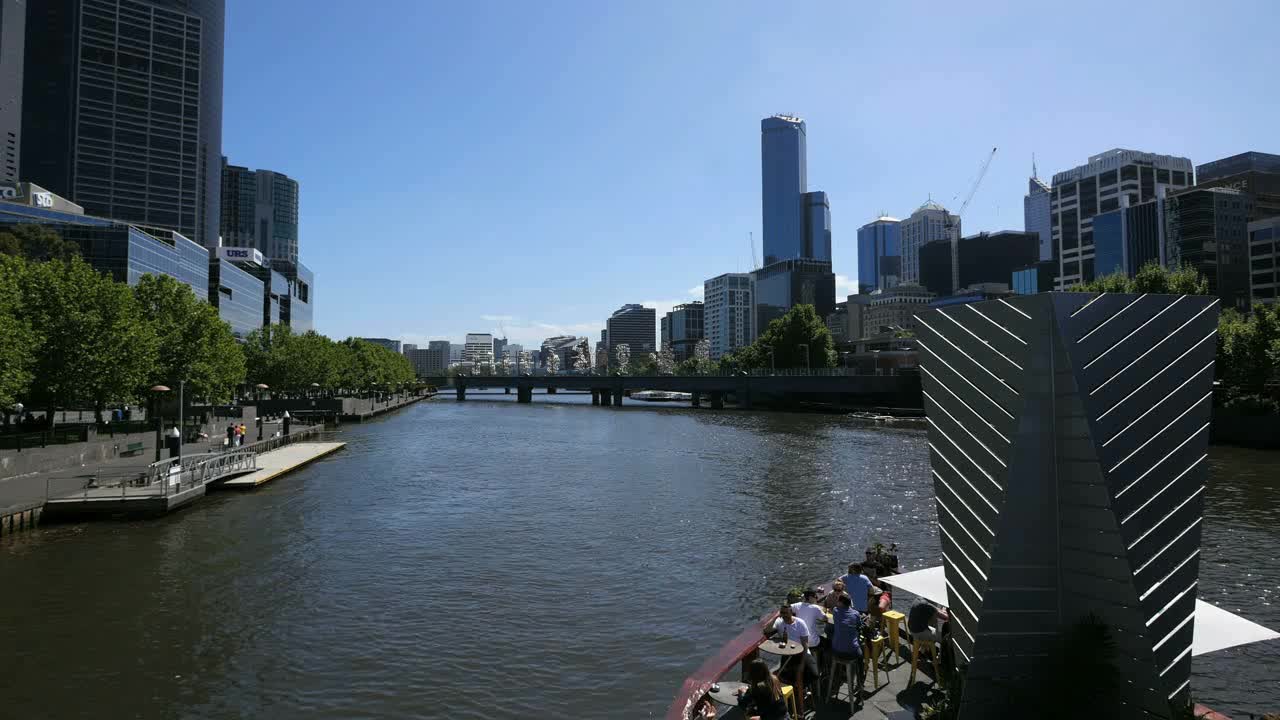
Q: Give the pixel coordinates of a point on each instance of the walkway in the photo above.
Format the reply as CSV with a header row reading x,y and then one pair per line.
x,y
278,462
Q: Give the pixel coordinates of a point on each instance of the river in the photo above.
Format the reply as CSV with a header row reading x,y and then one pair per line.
x,y
493,560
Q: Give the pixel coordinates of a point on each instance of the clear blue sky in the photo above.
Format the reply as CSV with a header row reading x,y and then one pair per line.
x,y
548,162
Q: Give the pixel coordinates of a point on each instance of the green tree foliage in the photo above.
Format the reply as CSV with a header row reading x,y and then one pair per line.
x,y
96,346
267,357
1249,350
290,363
1152,278
36,242
792,338
18,342
194,344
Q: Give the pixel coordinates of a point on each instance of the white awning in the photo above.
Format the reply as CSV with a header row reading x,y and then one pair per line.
x,y
1215,628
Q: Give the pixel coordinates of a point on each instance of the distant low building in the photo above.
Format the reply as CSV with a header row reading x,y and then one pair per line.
x,y
683,329
838,323
894,310
392,345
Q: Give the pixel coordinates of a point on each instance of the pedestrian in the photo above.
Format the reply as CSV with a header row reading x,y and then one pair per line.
x,y
243,432
231,435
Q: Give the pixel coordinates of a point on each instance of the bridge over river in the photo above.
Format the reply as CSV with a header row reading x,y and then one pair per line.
x,y
901,390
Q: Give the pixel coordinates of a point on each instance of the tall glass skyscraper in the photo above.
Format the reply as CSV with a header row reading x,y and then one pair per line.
x,y
1036,216
817,227
260,210
122,109
784,181
879,254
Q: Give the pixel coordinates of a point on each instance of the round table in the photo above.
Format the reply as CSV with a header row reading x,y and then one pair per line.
x,y
791,648
728,693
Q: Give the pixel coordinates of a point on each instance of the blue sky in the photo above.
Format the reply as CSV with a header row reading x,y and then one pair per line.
x,y
545,163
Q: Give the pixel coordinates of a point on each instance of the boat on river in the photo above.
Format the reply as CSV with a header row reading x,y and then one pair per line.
x,y
661,396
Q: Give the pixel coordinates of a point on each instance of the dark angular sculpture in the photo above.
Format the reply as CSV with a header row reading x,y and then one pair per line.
x,y
1068,437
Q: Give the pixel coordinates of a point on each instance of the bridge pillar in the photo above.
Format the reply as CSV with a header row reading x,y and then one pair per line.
x,y
461,392
697,399
551,391
606,398
595,397
617,397
717,400
506,391
524,394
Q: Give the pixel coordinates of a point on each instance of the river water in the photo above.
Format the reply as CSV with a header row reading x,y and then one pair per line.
x,y
494,560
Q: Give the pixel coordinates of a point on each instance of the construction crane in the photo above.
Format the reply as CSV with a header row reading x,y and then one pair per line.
x,y
953,225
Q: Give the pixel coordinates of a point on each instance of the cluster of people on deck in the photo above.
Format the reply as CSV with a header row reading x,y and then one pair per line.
x,y
855,603
235,434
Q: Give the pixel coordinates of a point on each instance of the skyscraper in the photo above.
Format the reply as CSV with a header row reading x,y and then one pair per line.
x,y
1256,173
1082,192
784,181
635,326
122,109
728,314
927,224
1208,229
13,23
879,254
1035,213
479,347
817,226
683,328
260,210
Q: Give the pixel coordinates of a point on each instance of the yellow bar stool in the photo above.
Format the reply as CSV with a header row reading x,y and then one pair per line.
x,y
919,645
872,654
789,696
893,621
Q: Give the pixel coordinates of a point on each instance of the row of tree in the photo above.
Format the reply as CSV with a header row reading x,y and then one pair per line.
x,y
71,337
1248,345
798,339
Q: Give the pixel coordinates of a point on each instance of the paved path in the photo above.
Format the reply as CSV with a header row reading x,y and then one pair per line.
x,y
278,462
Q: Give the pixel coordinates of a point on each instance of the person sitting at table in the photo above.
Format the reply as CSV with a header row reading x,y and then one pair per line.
x,y
921,619
762,698
812,614
796,630
846,643
832,599
858,587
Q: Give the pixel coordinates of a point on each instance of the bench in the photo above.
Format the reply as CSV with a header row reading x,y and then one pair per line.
x,y
133,448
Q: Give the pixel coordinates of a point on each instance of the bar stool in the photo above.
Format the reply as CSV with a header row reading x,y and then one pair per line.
x,y
892,620
789,696
873,650
926,645
851,672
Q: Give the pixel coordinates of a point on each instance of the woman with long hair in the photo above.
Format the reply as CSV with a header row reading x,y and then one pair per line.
x,y
763,694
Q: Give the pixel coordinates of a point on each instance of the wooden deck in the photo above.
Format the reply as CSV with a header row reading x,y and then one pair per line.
x,y
272,465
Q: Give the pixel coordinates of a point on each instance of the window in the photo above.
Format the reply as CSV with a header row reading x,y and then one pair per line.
x,y
1179,177
1110,204
1162,176
1129,172
1107,178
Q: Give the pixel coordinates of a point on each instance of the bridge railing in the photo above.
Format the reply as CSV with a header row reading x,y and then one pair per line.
x,y
755,372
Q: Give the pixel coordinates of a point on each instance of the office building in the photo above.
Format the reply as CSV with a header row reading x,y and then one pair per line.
x,y
240,296
1264,252
1129,237
1208,230
388,343
407,348
13,24
1036,217
838,323
929,223
974,293
797,222
635,326
1034,279
276,289
296,304
855,307
937,266
439,345
783,285
260,210
1256,173
478,347
1082,192
428,363
728,313
682,329
122,109
564,348
125,251
894,310
499,347
456,351
879,254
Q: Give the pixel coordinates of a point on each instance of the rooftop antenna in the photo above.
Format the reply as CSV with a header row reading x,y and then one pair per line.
x,y
1033,166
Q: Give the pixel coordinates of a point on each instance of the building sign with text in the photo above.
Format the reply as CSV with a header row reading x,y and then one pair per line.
x,y
241,254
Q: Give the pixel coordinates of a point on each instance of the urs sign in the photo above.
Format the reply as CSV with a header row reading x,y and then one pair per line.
x,y
241,254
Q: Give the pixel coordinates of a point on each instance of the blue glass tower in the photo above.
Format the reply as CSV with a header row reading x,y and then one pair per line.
x,y
879,254
784,181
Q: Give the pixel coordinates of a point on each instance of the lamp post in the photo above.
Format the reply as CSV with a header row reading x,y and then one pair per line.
x,y
876,355
155,408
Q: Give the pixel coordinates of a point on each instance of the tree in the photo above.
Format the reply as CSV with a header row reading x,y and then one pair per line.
x,y
553,363
195,345
798,339
582,357
665,361
622,357
36,242
18,342
268,353
1151,278
97,348
1249,350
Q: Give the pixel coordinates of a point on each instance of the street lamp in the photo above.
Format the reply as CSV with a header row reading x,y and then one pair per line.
x,y
260,387
876,355
155,408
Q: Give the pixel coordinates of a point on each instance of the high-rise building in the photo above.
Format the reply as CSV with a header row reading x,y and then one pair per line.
x,y
948,268
479,347
122,109
728,313
240,296
879,254
260,210
388,343
439,345
1256,173
683,328
1096,187
635,326
937,267
784,181
499,347
564,348
928,223
428,362
1035,214
1264,260
1207,228
456,352
817,226
1129,237
783,285
407,348
13,24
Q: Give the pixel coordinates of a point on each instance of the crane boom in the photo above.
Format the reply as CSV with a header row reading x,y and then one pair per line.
x,y
973,190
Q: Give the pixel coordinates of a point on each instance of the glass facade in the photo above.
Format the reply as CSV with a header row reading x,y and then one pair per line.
x,y
1208,230
1108,244
1025,281
879,255
1264,260
683,328
1035,215
782,286
784,180
817,226
260,210
238,295
301,283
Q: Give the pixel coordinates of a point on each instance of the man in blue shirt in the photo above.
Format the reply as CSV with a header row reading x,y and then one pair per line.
x,y
858,586
846,643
